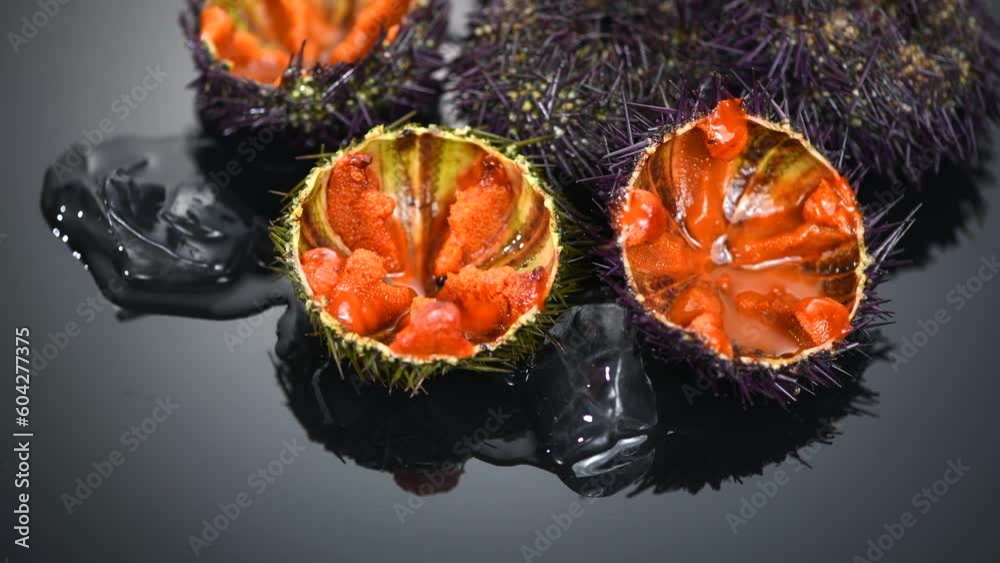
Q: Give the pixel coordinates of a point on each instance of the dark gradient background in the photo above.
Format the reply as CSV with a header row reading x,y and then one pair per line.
x,y
232,418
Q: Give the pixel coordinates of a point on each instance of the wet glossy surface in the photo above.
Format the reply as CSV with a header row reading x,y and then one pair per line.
x,y
234,413
150,220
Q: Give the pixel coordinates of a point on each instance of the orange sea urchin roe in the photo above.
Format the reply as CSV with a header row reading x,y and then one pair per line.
x,y
260,38
434,328
726,130
377,16
644,218
727,242
322,268
476,221
361,214
491,300
361,299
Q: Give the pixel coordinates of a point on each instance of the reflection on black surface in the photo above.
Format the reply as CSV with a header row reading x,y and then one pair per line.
x,y
657,438
951,203
164,228
422,440
160,225
711,440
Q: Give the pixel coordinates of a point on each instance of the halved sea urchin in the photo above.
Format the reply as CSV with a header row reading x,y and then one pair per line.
x,y
744,252
317,72
419,250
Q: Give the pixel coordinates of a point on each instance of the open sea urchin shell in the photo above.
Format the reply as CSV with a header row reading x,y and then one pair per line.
x,y
743,251
420,250
898,85
316,80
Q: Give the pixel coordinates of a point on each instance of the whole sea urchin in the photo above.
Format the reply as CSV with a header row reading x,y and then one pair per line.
x,y
743,251
420,250
554,71
898,85
318,73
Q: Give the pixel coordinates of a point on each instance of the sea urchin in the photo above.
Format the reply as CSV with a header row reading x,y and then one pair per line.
x,y
420,249
317,72
744,250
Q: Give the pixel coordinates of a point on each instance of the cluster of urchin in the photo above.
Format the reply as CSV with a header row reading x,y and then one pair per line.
x,y
549,72
899,85
646,107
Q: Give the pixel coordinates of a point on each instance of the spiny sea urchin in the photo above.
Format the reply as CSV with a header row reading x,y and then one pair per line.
x,y
743,250
899,85
555,70
419,250
319,73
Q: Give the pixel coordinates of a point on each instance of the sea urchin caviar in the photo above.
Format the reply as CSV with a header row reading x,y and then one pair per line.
x,y
735,232
318,71
422,249
258,39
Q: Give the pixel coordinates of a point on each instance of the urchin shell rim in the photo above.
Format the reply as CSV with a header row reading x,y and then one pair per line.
x,y
344,345
861,270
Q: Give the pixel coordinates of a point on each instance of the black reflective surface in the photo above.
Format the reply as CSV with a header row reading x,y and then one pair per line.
x,y
343,464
